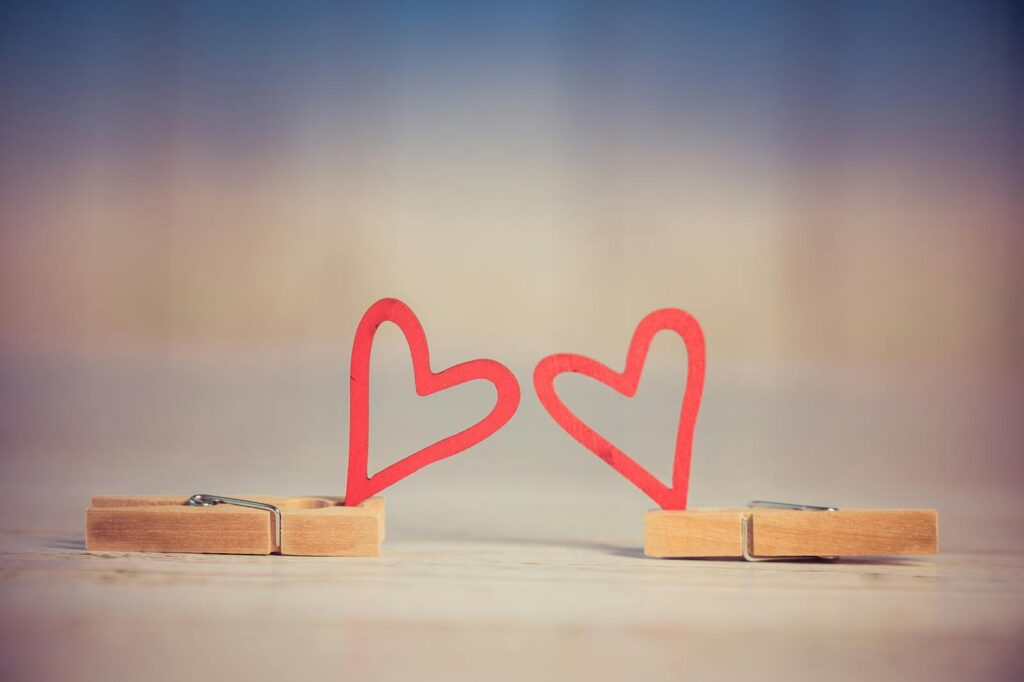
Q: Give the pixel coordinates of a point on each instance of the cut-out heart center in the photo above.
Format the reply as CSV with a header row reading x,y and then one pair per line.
x,y
360,486
402,422
626,382
645,425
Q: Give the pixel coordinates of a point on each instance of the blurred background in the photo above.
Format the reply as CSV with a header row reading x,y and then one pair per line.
x,y
198,200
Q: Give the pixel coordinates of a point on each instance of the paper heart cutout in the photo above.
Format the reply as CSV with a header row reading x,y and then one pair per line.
x,y
626,383
360,486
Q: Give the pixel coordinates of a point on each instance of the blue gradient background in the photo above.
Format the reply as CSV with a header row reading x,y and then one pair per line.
x,y
198,200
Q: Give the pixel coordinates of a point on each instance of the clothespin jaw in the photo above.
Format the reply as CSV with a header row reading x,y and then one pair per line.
x,y
774,531
249,524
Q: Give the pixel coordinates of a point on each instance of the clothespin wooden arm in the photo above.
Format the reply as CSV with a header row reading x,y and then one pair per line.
x,y
775,533
310,526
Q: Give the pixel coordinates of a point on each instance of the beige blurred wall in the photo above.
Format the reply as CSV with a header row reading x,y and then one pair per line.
x,y
902,268
196,206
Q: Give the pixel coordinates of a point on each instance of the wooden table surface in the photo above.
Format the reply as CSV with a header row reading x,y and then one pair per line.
x,y
474,609
520,560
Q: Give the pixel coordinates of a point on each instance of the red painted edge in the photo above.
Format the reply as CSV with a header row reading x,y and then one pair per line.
x,y
626,383
360,486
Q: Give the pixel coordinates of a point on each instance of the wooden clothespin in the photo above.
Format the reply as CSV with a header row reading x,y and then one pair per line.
x,y
252,524
767,531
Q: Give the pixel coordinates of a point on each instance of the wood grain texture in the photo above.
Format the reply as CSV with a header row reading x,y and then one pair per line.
x,y
336,530
178,528
692,533
461,609
311,526
779,533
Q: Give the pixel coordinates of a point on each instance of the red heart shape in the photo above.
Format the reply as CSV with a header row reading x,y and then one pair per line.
x,y
360,486
626,383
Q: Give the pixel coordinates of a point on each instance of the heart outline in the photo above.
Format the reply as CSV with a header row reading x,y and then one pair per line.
x,y
626,383
360,486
